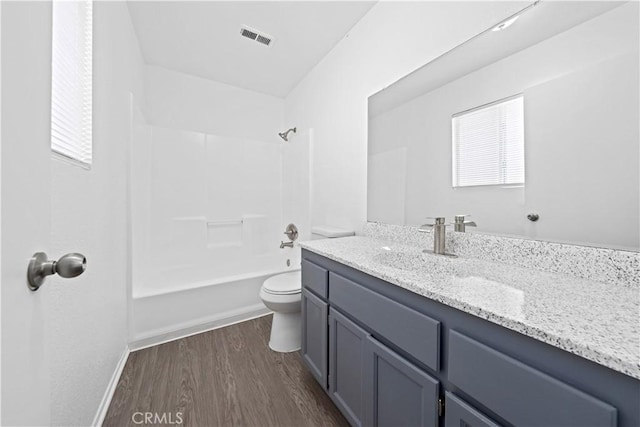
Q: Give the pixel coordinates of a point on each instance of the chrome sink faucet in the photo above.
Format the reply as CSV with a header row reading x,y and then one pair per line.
x,y
460,224
439,234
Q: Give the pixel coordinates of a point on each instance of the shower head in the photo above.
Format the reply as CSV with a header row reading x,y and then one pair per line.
x,y
285,135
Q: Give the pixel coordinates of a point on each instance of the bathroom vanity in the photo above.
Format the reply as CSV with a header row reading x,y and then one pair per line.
x,y
399,337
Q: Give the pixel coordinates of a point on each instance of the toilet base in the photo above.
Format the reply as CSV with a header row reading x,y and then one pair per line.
x,y
285,332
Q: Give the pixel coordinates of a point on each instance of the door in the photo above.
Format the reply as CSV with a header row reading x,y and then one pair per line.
x,y
346,371
315,336
25,168
62,344
397,392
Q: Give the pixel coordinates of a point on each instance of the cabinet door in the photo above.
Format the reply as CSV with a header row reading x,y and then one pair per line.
x,y
315,336
459,414
346,372
397,392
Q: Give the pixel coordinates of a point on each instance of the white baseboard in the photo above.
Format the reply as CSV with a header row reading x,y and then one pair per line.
x,y
111,389
248,313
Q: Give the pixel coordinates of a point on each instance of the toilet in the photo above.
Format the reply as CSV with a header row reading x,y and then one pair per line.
x,y
282,294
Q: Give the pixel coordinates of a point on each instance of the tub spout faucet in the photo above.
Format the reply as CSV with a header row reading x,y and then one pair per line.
x,y
438,230
286,245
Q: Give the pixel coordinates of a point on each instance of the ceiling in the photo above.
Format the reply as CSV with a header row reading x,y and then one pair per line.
x,y
202,38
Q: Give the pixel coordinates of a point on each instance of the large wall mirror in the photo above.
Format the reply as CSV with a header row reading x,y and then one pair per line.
x,y
538,115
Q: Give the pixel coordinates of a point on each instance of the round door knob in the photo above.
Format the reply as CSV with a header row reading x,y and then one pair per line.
x,y
70,265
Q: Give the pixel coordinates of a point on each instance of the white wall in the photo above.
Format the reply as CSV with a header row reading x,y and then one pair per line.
x,y
393,39
181,101
60,365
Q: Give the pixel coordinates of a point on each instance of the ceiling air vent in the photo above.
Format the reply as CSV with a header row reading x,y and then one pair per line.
x,y
256,35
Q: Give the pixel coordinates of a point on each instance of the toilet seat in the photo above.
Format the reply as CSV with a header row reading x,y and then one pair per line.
x,y
270,292
284,284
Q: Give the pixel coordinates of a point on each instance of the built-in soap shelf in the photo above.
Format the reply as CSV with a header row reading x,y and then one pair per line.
x,y
224,233
248,230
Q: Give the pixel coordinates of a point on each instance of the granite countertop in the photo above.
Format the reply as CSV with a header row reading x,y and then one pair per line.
x,y
598,321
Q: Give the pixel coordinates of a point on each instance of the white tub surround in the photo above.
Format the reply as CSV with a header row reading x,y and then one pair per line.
x,y
594,319
207,205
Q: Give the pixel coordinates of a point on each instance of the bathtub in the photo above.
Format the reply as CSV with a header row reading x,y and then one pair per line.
x,y
173,305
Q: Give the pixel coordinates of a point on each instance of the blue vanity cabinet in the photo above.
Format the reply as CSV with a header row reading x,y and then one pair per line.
x,y
347,346
397,393
395,358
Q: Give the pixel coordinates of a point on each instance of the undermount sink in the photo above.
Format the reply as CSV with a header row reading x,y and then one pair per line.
x,y
402,260
412,260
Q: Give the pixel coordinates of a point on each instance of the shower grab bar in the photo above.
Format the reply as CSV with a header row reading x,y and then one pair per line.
x,y
224,222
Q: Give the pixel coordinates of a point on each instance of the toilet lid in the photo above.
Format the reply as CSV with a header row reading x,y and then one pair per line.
x,y
286,283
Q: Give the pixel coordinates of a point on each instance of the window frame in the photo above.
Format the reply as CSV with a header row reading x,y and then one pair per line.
x,y
67,117
454,158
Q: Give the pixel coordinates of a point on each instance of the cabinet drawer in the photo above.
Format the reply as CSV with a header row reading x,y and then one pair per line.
x,y
459,413
315,278
521,394
409,330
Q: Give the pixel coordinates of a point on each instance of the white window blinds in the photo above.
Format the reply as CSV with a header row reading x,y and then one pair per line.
x,y
71,88
488,144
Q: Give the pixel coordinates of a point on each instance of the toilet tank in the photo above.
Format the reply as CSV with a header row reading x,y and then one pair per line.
x,y
328,232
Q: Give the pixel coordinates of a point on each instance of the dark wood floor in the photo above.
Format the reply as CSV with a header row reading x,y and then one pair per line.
x,y
225,377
